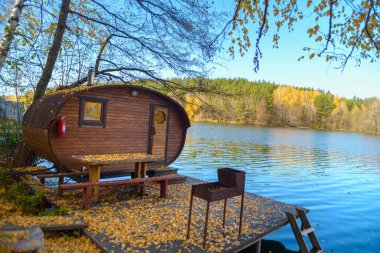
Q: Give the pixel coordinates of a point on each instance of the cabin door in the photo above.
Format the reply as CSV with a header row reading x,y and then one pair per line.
x,y
158,130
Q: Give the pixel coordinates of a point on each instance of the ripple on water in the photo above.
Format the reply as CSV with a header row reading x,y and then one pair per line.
x,y
334,174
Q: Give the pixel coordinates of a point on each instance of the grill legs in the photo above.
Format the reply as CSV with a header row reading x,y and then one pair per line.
x,y
206,223
207,214
224,211
191,207
241,212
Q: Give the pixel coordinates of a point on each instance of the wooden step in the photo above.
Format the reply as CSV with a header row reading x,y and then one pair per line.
x,y
66,227
308,231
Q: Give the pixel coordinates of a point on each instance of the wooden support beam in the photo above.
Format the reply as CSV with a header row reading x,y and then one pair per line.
x,y
60,227
97,242
66,174
33,183
258,247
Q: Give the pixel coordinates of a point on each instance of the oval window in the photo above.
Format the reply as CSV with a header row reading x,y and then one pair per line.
x,y
160,117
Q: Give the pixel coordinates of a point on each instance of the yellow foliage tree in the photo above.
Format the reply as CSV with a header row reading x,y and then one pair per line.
x,y
193,104
26,99
341,30
295,106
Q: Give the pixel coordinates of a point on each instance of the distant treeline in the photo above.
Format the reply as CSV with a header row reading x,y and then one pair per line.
x,y
268,104
264,103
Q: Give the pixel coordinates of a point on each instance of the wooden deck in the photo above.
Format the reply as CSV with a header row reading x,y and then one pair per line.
x,y
265,223
123,222
154,225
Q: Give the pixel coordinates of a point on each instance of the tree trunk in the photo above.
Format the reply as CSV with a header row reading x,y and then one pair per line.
x,y
53,51
25,156
9,30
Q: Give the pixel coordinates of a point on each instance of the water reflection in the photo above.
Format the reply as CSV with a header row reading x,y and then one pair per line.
x,y
335,174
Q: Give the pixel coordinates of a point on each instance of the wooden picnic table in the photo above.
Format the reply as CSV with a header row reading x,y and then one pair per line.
x,y
95,162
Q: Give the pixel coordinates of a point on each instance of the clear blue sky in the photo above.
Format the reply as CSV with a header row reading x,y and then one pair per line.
x,y
281,66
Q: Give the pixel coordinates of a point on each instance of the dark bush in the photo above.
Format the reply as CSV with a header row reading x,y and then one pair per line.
x,y
21,196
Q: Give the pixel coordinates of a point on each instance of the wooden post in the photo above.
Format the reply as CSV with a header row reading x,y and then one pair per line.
x,y
94,176
164,189
142,175
60,191
60,181
137,170
136,174
258,247
143,170
86,201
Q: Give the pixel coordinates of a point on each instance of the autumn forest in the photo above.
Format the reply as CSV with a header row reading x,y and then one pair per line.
x,y
268,104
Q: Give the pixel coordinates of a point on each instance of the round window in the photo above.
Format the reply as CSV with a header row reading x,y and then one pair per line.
x,y
160,117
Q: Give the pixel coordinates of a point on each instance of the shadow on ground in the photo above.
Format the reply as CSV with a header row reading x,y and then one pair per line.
x,y
269,246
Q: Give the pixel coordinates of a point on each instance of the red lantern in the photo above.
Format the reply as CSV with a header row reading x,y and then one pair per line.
x,y
62,126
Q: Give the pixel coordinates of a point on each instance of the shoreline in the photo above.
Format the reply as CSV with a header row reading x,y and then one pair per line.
x,y
279,126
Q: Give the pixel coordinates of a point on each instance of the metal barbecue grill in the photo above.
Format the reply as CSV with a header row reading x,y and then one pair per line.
x,y
230,183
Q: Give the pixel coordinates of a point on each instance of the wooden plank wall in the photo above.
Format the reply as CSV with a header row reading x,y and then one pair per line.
x,y
126,131
37,139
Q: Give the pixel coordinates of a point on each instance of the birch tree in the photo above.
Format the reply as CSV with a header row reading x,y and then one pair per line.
x,y
10,30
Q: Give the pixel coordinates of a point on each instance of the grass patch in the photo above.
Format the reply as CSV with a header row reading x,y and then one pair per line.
x,y
54,212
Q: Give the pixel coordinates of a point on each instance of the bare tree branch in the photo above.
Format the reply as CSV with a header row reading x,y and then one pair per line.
x,y
328,36
258,54
104,44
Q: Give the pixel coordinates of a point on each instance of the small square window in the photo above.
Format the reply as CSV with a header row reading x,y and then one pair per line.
x,y
92,111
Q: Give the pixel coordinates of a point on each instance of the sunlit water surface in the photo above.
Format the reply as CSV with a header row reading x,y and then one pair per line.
x,y
334,174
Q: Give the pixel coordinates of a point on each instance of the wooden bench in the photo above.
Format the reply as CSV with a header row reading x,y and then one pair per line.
x,y
60,176
163,180
42,177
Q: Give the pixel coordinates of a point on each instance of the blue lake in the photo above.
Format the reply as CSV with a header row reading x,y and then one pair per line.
x,y
334,174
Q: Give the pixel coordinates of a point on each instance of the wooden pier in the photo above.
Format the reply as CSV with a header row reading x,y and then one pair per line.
x,y
123,222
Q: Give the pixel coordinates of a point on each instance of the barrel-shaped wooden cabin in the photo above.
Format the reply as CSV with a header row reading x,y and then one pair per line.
x,y
109,119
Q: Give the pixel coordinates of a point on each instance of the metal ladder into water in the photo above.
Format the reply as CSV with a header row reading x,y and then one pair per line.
x,y
306,229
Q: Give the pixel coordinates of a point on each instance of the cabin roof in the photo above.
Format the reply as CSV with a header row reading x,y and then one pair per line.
x,y
43,111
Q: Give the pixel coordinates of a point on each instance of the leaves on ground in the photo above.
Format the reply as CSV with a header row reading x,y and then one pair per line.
x,y
131,223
